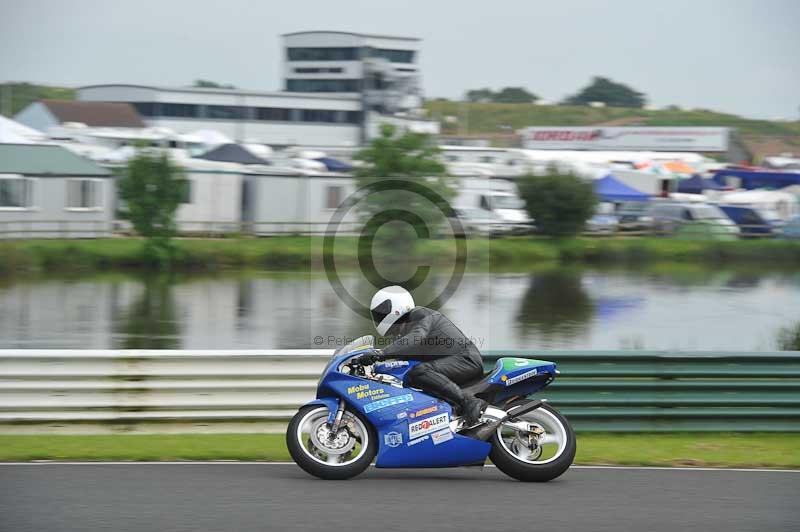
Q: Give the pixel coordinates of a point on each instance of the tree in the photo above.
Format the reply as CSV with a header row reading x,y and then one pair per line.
x,y
514,95
609,92
408,165
480,95
504,95
152,188
208,84
559,203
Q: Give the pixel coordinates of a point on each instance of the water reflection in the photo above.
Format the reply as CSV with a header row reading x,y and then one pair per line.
x,y
555,306
151,320
789,338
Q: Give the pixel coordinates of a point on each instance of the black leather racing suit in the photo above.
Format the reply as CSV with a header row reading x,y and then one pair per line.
x,y
449,357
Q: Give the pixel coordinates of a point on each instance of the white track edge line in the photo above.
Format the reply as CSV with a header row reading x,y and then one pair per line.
x,y
255,463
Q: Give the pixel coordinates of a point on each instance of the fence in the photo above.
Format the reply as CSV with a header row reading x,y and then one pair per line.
x,y
55,229
102,228
252,391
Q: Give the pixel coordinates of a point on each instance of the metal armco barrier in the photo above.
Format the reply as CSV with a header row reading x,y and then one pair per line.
x,y
74,391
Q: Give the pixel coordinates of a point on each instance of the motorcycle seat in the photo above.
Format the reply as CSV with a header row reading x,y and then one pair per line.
x,y
479,385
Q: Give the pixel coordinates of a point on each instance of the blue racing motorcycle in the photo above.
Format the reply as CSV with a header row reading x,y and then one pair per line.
x,y
363,413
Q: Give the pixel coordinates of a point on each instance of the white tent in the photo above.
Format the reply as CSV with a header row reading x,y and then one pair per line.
x,y
210,138
12,132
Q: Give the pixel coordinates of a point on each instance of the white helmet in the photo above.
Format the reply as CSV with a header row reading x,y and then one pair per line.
x,y
389,305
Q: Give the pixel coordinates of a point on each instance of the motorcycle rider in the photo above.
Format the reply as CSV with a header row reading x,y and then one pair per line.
x,y
449,357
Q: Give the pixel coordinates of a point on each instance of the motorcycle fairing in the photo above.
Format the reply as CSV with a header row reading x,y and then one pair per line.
x,y
397,414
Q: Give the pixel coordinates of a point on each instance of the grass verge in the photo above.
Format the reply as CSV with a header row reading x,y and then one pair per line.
x,y
778,450
291,253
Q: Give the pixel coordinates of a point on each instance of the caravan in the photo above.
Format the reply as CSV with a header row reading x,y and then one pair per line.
x,y
498,197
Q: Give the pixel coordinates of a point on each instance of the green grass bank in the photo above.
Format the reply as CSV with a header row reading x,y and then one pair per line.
x,y
298,253
778,450
491,118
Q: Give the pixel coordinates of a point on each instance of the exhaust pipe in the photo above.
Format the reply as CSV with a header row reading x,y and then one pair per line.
x,y
484,431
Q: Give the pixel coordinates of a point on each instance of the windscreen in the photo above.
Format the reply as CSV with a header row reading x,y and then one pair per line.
x,y
359,343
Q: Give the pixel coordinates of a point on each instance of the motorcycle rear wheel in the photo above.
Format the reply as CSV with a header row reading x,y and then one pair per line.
x,y
513,457
347,454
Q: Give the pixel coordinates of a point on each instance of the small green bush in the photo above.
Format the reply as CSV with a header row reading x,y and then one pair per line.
x,y
559,203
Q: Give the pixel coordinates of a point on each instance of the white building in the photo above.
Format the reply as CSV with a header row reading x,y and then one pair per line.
x,y
338,87
49,192
292,201
274,118
382,68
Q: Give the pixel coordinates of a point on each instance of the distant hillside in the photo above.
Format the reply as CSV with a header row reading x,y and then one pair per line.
x,y
24,93
487,118
499,121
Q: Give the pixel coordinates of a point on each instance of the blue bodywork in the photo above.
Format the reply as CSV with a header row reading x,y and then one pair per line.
x,y
413,428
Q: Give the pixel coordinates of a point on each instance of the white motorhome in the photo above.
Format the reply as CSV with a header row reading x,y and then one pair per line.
x,y
499,196
784,204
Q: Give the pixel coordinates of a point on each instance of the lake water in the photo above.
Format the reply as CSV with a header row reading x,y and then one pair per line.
x,y
558,308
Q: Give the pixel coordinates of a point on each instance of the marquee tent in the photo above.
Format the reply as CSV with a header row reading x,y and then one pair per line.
x,y
611,189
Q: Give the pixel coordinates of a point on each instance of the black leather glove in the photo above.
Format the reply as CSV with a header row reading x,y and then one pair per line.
x,y
370,357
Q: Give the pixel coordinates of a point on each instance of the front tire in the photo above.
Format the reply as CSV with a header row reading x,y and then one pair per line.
x,y
330,457
520,462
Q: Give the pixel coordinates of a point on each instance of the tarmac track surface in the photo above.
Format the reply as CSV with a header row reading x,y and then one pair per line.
x,y
153,497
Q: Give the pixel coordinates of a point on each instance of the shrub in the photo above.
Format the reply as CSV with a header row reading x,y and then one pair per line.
x,y
559,203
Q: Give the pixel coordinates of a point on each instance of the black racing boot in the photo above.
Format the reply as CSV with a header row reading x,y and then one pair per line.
x,y
471,407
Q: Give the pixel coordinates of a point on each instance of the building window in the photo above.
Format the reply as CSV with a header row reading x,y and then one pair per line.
x,y
393,56
353,117
181,110
317,115
323,85
320,70
322,54
145,108
83,194
226,112
333,197
16,192
186,191
272,113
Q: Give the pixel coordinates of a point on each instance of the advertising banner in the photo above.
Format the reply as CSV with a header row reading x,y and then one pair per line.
x,y
696,139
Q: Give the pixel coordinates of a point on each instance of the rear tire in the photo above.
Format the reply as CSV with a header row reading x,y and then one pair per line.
x,y
513,466
303,456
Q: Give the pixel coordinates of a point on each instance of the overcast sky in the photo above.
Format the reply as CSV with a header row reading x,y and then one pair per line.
x,y
739,56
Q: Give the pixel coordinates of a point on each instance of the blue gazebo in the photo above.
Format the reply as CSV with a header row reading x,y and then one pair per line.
x,y
612,189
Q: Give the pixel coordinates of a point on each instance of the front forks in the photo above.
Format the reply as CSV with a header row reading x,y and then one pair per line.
x,y
337,421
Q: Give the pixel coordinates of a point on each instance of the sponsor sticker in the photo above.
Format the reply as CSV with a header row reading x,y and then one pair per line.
x,y
394,364
418,440
521,377
389,401
427,425
401,415
424,411
393,439
363,391
441,436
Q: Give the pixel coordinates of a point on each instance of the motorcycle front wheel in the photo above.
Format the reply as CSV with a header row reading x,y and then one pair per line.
x,y
338,456
542,454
